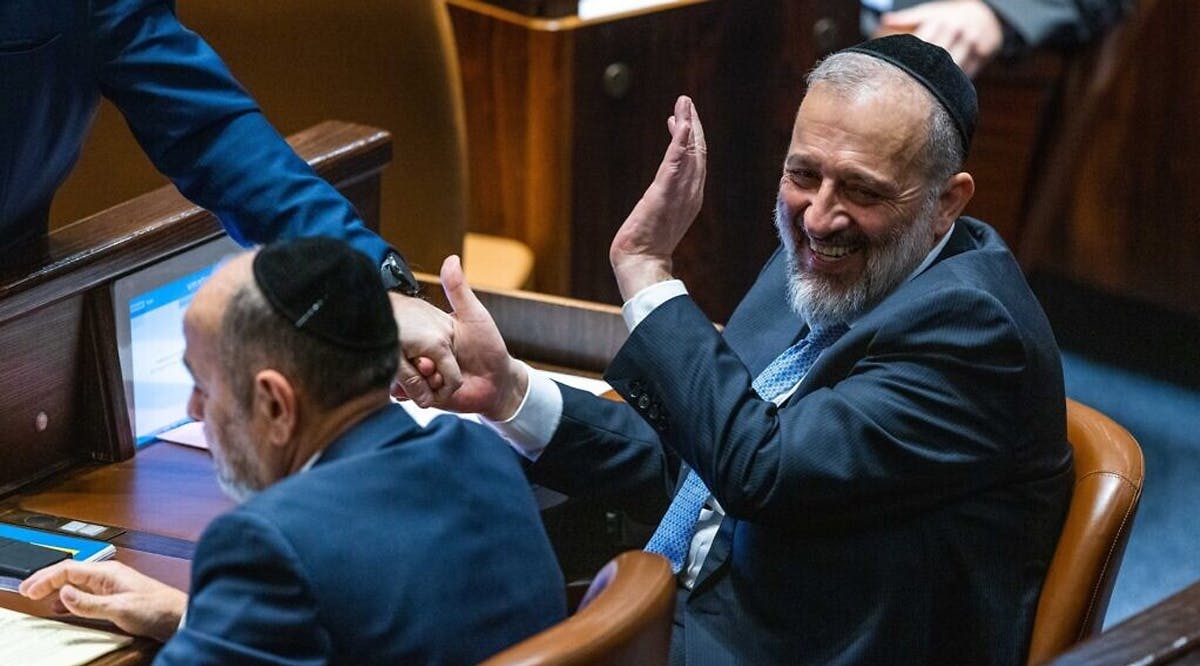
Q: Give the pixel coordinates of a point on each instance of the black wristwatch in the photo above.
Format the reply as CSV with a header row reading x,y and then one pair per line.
x,y
396,275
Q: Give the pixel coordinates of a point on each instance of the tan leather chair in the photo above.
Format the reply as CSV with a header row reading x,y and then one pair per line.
x,y
1108,482
625,618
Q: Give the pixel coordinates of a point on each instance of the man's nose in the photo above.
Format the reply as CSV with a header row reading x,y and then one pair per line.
x,y
825,215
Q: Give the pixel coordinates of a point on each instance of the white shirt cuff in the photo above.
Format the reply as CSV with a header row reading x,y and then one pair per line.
x,y
645,301
532,426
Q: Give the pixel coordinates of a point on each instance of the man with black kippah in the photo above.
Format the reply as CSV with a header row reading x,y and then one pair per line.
x,y
361,537
869,464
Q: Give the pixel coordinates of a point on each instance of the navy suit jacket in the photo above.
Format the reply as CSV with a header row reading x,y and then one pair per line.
x,y
195,122
901,507
401,545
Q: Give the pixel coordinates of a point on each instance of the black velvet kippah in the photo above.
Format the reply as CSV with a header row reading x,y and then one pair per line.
x,y
327,289
933,68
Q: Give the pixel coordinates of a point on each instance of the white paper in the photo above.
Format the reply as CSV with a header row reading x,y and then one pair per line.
x,y
25,639
188,434
593,386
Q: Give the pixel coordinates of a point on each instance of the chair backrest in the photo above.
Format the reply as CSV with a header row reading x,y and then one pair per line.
x,y
625,618
386,63
1108,482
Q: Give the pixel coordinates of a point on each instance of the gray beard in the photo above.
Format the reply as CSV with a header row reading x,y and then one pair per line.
x,y
820,300
232,466
235,489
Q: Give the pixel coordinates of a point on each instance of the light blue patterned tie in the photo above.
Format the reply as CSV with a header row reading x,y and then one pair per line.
x,y
674,533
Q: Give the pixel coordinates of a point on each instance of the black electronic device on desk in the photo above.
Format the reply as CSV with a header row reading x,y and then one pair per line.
x,y
18,559
24,550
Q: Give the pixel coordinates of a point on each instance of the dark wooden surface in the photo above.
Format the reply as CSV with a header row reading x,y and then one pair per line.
x,y
559,157
566,333
1133,224
165,489
1017,106
1166,633
38,407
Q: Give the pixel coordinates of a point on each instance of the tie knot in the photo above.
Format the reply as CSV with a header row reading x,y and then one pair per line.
x,y
789,367
821,336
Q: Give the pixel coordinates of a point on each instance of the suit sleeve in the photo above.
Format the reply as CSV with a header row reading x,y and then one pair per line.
x,y
1039,23
251,602
204,132
603,450
914,416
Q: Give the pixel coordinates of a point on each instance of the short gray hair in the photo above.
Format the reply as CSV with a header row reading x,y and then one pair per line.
x,y
854,74
253,336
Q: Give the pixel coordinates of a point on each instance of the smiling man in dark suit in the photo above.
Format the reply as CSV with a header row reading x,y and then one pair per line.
x,y
869,464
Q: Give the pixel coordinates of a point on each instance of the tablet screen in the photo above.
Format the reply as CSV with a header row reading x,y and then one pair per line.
x,y
149,315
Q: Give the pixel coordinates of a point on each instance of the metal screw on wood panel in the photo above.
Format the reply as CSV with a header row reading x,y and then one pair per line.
x,y
41,421
825,35
618,78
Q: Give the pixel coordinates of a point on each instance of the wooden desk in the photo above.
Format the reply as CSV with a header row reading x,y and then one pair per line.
x,y
1166,633
565,127
66,445
164,497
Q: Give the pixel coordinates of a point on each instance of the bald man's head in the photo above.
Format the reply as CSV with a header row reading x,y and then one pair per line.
x,y
326,359
268,372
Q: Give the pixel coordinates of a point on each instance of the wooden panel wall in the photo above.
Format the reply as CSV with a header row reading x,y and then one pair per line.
x,y
1134,227
1016,102
560,154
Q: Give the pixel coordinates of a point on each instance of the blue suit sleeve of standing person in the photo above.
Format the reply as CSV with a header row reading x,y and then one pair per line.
x,y
204,132
251,601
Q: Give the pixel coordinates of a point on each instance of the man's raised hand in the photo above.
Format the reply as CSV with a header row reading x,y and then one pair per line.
x,y
641,250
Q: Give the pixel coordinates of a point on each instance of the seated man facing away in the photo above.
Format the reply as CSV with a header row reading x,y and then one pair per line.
x,y
362,538
869,465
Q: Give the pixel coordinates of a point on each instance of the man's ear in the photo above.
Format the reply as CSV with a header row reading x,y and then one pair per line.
x,y
276,404
955,196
